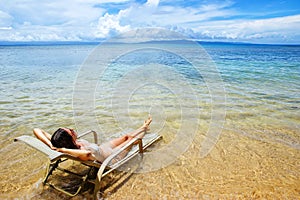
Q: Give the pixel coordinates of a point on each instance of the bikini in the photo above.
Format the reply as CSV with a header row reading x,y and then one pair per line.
x,y
100,153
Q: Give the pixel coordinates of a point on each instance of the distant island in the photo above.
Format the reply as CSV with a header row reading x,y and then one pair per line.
x,y
51,43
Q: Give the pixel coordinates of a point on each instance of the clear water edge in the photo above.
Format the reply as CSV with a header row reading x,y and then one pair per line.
x,y
257,155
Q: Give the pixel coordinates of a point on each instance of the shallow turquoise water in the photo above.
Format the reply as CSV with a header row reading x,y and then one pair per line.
x,y
262,85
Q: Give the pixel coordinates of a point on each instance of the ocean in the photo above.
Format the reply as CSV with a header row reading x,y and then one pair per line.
x,y
244,98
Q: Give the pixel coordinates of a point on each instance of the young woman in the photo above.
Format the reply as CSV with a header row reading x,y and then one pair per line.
x,y
65,140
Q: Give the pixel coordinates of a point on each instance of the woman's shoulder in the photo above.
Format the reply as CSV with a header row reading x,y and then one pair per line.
x,y
83,143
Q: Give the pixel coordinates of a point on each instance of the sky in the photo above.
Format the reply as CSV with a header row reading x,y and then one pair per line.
x,y
255,21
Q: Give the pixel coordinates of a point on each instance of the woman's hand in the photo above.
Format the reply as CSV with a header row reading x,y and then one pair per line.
x,y
62,150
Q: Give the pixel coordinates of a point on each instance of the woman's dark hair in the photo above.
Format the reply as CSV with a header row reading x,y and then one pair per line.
x,y
62,139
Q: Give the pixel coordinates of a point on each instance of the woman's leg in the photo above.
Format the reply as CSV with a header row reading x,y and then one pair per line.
x,y
121,141
109,147
142,129
118,141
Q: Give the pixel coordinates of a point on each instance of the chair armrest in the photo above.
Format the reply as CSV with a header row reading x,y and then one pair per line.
x,y
90,131
117,153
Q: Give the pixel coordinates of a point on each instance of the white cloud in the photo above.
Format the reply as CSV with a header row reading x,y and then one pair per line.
x,y
101,1
41,33
5,19
6,28
151,14
48,19
132,17
49,12
109,25
152,3
283,28
89,20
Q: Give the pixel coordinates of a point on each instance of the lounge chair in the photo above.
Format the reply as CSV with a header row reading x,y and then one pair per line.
x,y
102,169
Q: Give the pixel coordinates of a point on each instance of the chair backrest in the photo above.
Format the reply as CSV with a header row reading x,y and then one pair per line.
x,y
39,145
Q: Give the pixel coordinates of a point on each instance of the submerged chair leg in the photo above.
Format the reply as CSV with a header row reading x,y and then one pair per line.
x,y
85,178
51,167
97,186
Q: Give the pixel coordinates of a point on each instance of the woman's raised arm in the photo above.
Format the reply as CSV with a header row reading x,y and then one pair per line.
x,y
43,136
79,153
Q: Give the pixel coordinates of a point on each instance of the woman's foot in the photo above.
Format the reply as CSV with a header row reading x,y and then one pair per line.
x,y
141,131
145,127
147,124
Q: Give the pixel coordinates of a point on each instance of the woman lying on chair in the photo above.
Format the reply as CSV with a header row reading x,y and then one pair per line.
x,y
65,140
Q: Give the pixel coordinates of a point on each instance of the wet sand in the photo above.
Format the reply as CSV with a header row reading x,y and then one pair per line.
x,y
238,167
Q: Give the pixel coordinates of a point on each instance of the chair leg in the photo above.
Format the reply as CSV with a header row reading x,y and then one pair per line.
x,y
97,185
51,167
92,173
66,192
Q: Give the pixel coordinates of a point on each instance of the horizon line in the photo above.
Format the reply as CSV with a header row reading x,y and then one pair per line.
x,y
36,43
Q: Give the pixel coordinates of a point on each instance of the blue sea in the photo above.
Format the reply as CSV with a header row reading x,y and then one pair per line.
x,y
255,153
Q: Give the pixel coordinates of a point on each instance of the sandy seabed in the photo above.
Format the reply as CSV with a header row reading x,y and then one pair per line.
x,y
238,167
